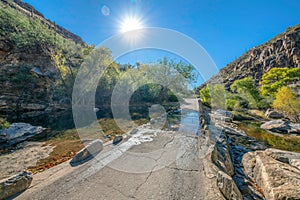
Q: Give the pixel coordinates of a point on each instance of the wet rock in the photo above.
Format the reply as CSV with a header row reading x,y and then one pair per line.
x,y
272,114
87,153
228,187
281,126
277,180
15,184
117,139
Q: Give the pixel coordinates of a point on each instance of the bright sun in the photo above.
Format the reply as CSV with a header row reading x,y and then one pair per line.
x,y
131,23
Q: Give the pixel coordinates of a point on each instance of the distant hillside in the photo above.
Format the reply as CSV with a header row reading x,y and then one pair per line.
x,y
30,11
281,51
28,76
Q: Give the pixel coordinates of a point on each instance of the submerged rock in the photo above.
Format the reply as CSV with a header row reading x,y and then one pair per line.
x,y
281,126
15,184
87,153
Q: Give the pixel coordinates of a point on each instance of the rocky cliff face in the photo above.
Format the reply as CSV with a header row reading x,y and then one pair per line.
x,y
28,76
281,51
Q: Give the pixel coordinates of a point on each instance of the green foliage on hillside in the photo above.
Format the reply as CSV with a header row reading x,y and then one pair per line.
x,y
276,78
24,32
279,89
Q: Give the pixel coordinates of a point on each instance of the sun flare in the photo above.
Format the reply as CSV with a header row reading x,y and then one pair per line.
x,y
130,24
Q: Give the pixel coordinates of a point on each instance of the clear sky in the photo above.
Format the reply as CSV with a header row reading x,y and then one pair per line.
x,y
226,29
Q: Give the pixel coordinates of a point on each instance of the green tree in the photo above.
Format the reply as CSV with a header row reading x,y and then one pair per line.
x,y
276,78
205,95
214,95
287,102
246,89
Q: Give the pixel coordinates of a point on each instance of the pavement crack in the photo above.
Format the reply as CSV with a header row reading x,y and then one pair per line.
x,y
140,185
185,170
119,191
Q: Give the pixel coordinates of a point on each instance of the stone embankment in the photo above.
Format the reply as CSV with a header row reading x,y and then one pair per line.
x,y
247,168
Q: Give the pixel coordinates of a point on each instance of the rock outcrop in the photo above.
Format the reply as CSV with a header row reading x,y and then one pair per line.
x,y
231,144
28,75
273,114
278,180
15,185
281,126
281,51
18,132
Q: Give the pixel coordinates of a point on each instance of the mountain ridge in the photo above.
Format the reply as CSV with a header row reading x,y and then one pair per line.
x,y
283,50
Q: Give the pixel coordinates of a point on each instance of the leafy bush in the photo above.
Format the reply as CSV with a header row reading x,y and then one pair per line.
x,y
4,124
287,102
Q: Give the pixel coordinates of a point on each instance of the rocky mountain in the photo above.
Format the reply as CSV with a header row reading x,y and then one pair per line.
x,y
281,51
28,41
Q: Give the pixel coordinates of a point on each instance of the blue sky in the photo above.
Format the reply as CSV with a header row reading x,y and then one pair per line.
x,y
226,29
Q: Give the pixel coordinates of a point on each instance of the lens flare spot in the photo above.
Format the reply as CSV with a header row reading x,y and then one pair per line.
x,y
105,10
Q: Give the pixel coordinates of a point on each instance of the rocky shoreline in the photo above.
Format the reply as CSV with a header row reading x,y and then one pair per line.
x,y
247,169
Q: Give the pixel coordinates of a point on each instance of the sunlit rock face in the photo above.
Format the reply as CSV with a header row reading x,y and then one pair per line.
x,y
281,51
276,172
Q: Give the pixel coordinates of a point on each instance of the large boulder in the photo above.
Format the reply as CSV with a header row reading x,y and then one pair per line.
x,y
228,187
87,153
18,132
281,126
272,114
277,180
15,184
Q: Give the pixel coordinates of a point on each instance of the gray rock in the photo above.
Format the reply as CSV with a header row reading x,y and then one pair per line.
x,y
277,180
272,114
117,139
228,187
88,152
291,158
134,131
18,132
15,184
221,156
281,126
221,115
37,71
33,106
